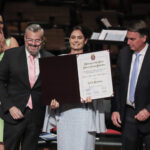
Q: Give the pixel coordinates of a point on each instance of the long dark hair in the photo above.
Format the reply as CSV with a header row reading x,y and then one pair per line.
x,y
6,35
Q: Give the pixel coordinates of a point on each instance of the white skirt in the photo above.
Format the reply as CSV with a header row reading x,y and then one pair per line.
x,y
76,127
72,131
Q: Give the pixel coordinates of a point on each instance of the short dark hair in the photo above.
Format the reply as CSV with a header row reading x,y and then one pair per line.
x,y
139,26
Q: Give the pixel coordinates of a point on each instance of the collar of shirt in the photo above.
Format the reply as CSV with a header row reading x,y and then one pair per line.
x,y
141,58
28,54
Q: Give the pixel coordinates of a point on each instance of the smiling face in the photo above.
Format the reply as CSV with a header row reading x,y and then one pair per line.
x,y
136,41
33,41
77,40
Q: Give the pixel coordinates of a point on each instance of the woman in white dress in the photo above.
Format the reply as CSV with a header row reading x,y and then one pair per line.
x,y
77,125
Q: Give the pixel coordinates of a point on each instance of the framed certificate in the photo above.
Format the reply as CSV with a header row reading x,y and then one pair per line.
x,y
70,78
94,73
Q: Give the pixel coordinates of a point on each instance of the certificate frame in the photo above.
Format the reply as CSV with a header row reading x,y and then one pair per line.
x,y
60,78
94,75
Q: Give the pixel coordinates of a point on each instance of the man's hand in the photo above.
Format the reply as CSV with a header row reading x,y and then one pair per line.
x,y
16,113
116,119
142,115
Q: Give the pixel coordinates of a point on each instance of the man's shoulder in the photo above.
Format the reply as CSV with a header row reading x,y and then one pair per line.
x,y
46,53
125,50
14,50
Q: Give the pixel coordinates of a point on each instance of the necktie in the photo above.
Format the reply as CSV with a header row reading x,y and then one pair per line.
x,y
31,70
31,78
134,78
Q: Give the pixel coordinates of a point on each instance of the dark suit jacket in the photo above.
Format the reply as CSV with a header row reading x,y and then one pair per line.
x,y
15,87
142,92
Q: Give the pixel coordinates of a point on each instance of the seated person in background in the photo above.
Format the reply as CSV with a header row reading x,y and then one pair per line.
x,y
6,42
77,124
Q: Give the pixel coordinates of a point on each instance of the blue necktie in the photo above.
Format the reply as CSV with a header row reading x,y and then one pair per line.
x,y
133,78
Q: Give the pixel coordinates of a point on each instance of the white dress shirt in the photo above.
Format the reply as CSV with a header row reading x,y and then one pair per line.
x,y
141,58
36,61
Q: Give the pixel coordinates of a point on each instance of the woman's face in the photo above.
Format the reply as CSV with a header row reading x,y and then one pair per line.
x,y
77,40
1,22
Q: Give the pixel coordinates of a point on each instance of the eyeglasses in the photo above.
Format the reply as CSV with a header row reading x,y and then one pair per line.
x,y
37,41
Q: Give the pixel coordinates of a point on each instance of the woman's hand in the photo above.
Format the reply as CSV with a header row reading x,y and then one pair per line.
x,y
87,100
54,104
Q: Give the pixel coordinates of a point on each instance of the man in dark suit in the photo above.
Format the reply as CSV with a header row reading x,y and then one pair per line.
x,y
131,105
22,108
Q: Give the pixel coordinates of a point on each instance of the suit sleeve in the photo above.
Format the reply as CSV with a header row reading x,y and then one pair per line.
x,y
4,79
115,103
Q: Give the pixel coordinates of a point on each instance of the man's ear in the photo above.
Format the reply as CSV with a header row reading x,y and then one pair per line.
x,y
144,38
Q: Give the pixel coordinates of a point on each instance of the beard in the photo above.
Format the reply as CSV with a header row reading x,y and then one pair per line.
x,y
34,53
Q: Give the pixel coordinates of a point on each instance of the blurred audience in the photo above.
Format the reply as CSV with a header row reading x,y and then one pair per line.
x,y
6,41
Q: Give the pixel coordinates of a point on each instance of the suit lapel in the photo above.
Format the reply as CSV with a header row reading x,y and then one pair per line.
x,y
24,66
144,67
127,66
43,53
37,82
